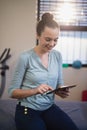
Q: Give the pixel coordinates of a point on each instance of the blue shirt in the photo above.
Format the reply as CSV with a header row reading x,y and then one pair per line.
x,y
30,73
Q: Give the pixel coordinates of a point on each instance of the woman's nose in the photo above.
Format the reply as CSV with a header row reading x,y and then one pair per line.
x,y
52,43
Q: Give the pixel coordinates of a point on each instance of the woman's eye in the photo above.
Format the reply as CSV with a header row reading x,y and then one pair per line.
x,y
48,40
55,40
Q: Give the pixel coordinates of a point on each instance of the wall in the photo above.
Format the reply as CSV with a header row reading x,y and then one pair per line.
x,y
75,76
17,31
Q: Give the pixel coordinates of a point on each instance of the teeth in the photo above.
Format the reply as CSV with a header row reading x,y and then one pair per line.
x,y
49,48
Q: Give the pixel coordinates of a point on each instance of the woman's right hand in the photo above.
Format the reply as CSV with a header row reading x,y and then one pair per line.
x,y
43,88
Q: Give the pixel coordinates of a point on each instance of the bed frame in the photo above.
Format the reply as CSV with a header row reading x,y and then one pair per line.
x,y
76,110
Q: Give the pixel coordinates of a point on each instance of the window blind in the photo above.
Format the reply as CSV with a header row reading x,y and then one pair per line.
x,y
66,12
72,17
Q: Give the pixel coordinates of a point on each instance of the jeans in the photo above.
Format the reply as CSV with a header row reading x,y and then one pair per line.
x,y
51,119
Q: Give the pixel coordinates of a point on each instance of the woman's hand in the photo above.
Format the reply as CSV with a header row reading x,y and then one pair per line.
x,y
63,93
43,88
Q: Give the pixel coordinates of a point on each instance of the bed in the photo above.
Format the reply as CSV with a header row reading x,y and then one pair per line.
x,y
77,110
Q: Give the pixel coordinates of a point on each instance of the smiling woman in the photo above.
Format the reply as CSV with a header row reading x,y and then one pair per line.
x,y
38,71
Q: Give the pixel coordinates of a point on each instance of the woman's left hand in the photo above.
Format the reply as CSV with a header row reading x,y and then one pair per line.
x,y
63,93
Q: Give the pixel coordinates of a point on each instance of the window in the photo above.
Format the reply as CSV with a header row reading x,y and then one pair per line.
x,y
72,17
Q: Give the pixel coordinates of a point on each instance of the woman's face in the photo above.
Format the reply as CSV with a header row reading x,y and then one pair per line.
x,y
48,38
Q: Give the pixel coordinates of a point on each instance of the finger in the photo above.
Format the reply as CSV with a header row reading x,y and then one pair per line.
x,y
67,89
63,96
48,87
64,93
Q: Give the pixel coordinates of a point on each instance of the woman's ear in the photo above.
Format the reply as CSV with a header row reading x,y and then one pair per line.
x,y
37,37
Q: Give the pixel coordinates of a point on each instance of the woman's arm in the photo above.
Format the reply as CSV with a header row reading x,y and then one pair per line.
x,y
23,93
19,73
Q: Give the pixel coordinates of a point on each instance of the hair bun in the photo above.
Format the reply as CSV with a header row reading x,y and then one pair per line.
x,y
47,17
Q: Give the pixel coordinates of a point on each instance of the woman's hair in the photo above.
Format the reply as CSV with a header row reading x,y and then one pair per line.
x,y
46,21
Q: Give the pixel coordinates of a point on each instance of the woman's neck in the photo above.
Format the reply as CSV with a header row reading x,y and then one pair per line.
x,y
43,56
40,51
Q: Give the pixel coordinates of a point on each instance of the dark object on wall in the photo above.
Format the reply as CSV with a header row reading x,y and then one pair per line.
x,y
3,58
77,64
84,95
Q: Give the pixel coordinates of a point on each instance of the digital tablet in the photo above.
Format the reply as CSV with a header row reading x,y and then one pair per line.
x,y
61,88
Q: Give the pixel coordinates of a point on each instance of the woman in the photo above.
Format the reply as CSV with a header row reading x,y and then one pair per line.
x,y
39,70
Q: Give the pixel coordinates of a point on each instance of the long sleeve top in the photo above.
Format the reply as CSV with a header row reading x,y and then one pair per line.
x,y
30,73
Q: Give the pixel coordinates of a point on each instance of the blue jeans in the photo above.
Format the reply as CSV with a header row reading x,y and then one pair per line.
x,y
51,119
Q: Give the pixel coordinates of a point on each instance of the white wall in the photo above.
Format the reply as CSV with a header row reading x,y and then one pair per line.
x,y
17,30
